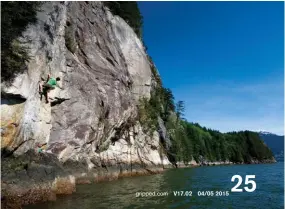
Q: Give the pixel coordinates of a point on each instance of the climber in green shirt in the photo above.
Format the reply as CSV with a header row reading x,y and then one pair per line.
x,y
50,84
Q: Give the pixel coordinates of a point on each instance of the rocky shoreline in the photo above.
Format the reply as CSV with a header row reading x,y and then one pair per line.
x,y
195,164
38,177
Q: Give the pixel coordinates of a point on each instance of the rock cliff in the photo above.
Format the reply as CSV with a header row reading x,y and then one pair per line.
x,y
102,78
92,117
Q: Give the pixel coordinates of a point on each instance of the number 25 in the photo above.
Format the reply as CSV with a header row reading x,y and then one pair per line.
x,y
247,181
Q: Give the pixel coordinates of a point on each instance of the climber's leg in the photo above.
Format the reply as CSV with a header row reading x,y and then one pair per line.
x,y
45,92
46,96
46,89
40,91
40,88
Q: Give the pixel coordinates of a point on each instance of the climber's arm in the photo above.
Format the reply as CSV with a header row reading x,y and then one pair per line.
x,y
48,77
59,86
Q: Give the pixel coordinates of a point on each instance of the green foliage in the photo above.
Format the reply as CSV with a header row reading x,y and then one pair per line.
x,y
129,11
192,141
180,108
239,147
167,99
147,115
161,104
15,18
154,71
14,61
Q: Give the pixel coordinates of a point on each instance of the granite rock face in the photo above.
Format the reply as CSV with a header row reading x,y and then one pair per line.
x,y
104,70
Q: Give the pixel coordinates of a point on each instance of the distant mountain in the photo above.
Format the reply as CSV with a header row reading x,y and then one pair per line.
x,y
275,143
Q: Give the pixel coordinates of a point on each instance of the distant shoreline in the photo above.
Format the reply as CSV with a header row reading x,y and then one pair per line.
x,y
182,165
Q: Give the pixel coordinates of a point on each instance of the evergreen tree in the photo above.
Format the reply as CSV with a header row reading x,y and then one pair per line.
x,y
129,11
180,108
16,16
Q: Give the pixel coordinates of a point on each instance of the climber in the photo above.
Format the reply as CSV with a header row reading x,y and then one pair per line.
x,y
41,147
50,84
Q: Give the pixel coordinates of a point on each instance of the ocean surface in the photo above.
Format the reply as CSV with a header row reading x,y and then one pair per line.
x,y
200,187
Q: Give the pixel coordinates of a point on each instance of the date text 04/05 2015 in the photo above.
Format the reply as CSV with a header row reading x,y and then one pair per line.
x,y
200,193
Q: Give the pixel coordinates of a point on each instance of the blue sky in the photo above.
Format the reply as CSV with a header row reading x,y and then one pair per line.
x,y
224,59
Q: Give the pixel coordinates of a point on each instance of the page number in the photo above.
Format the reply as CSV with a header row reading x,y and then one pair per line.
x,y
247,182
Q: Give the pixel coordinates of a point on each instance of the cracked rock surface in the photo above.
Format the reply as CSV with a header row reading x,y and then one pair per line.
x,y
104,70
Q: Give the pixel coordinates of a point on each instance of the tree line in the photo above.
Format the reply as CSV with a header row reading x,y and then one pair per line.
x,y
192,141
